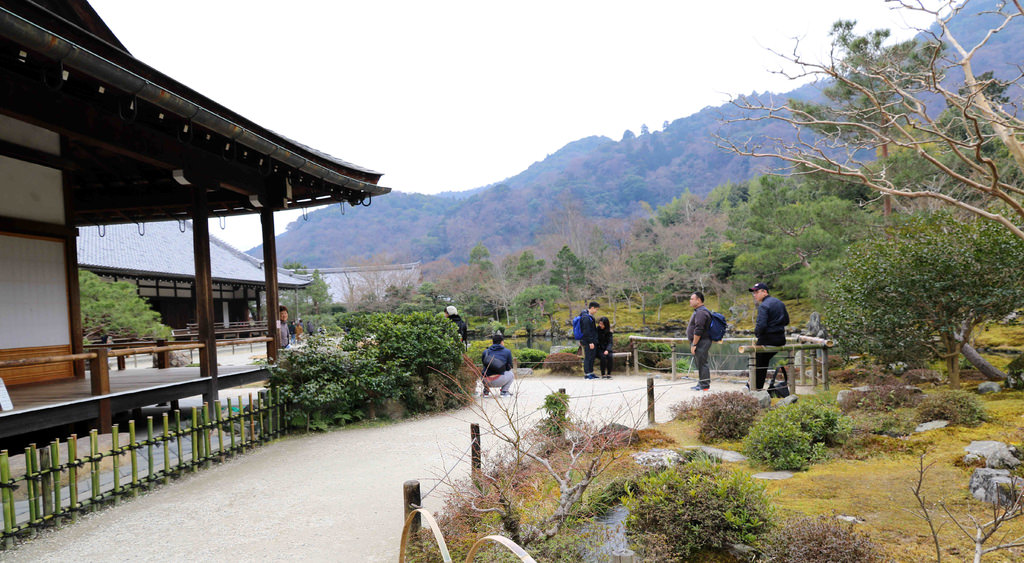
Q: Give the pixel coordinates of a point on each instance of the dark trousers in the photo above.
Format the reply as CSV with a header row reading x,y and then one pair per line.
x,y
606,362
701,363
588,359
762,359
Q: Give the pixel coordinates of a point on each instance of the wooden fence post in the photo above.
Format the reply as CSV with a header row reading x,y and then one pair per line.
x,y
163,358
814,368
474,436
752,370
636,358
411,494
650,400
99,380
824,367
673,360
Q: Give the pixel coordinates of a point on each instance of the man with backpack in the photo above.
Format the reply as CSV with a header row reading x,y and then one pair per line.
x,y
588,338
770,328
698,333
497,372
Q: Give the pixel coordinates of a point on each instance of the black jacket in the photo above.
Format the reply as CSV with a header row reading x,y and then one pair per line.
x,y
588,326
772,318
461,324
604,340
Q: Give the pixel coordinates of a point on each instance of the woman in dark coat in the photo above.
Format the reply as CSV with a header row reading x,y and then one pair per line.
x,y
604,346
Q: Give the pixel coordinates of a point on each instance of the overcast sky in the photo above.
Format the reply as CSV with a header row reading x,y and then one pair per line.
x,y
449,95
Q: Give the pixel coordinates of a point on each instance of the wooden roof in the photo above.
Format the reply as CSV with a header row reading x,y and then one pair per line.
x,y
133,138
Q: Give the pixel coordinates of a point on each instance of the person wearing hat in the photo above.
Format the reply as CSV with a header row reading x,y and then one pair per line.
x,y
453,315
770,328
497,362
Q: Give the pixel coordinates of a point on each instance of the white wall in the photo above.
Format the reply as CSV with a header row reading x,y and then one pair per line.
x,y
33,293
30,191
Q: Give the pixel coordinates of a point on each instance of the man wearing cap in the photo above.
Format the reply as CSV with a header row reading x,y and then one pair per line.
x,y
453,315
589,341
770,328
497,362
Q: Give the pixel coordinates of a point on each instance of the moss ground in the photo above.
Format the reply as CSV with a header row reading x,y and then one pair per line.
x,y
878,489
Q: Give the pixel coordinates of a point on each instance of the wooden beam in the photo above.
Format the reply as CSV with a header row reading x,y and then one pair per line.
x,y
35,228
270,275
204,292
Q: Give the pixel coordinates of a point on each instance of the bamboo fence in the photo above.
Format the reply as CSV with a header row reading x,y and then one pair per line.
x,y
55,487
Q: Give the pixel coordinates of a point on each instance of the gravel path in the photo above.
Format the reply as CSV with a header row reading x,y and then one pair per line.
x,y
335,496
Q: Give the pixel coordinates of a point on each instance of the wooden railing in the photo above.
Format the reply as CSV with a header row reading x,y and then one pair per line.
x,y
50,491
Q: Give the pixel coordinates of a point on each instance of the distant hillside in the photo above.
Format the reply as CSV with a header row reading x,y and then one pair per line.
x,y
610,178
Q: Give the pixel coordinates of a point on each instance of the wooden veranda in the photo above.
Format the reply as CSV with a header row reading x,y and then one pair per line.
x,y
91,136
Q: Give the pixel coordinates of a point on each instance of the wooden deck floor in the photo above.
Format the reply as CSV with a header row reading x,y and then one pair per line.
x,y
51,404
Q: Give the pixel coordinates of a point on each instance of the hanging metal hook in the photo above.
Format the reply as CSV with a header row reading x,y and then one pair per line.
x,y
141,227
305,214
223,221
181,225
366,201
131,111
102,230
341,206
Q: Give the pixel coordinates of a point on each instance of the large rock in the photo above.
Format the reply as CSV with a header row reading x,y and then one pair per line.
x,y
933,425
764,400
995,486
842,395
784,402
657,457
986,387
997,455
564,349
724,455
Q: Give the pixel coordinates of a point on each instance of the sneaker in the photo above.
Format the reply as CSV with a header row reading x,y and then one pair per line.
x,y
699,388
590,376
506,394
606,377
485,394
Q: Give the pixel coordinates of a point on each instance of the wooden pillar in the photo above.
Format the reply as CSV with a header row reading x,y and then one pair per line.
x,y
71,269
204,292
270,276
99,381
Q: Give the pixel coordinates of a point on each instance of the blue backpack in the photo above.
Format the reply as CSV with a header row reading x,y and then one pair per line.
x,y
577,330
716,328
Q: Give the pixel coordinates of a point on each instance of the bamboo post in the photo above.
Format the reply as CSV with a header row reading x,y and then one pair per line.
x,y
115,458
94,469
149,449
167,448
673,359
55,468
824,367
260,407
474,437
30,469
8,499
411,494
220,430
206,439
799,361
752,371
650,400
231,426
814,368
177,436
194,435
46,480
73,476
252,424
133,456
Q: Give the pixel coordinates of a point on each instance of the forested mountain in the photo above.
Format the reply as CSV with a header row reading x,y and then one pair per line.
x,y
604,177
607,178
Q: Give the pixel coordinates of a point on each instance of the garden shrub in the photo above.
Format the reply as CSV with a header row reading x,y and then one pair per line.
x,y
726,416
529,357
793,437
696,506
652,353
476,348
557,407
414,359
562,362
861,375
958,407
820,540
895,423
882,398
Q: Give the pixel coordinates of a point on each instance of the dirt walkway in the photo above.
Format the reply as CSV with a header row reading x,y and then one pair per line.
x,y
324,497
